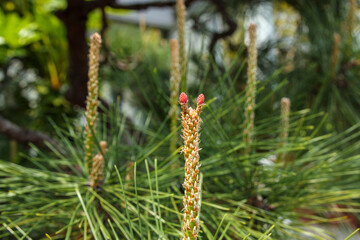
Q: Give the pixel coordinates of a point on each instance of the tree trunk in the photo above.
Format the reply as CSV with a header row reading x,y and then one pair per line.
x,y
74,17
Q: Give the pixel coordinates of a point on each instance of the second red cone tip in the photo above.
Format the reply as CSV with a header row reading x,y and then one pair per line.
x,y
183,98
200,99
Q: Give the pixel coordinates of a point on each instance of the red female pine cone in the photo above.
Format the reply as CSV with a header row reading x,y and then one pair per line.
x,y
183,98
201,99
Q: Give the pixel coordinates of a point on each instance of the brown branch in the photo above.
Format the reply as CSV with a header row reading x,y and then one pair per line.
x,y
23,135
104,24
92,5
232,26
107,55
141,6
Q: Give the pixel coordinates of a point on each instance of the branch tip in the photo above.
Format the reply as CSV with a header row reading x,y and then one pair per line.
x,y
183,98
201,99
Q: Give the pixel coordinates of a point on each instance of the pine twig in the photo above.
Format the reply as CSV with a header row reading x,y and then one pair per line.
x,y
191,125
250,91
92,99
181,19
285,112
25,136
174,91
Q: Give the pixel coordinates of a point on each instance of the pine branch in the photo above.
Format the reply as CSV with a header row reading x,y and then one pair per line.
x,y
136,6
23,135
232,26
141,6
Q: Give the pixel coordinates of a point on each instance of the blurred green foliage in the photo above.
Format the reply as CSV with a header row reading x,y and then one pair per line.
x,y
34,68
145,66
321,73
33,63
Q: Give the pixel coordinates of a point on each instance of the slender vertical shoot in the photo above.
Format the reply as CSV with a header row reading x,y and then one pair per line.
x,y
285,112
191,125
174,91
250,91
92,99
181,17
